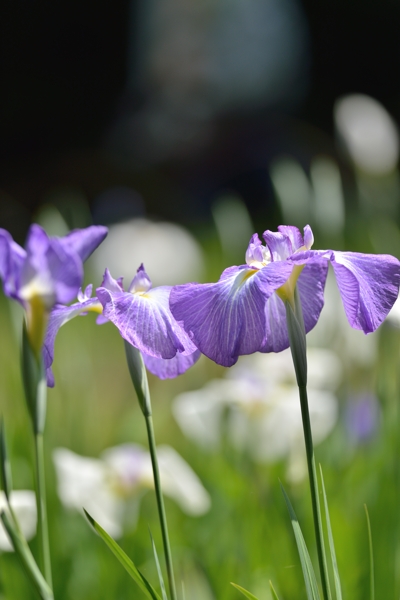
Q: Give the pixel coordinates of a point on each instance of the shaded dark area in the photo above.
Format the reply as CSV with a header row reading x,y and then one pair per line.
x,y
355,48
63,66
64,74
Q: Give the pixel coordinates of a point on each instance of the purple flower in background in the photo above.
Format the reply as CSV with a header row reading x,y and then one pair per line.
x,y
244,312
362,417
48,271
143,318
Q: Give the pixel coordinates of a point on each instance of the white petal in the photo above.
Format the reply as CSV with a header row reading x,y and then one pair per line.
x,y
84,483
24,504
181,483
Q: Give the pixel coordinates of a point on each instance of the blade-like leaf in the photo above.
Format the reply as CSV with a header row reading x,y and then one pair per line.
x,y
24,554
371,556
273,592
336,575
160,577
5,467
308,570
244,592
124,559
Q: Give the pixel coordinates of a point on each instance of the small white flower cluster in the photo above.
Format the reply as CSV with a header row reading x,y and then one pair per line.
x,y
110,487
257,405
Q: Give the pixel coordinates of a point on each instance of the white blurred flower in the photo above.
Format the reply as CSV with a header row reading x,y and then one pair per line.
x,y
23,503
169,252
106,486
258,402
368,132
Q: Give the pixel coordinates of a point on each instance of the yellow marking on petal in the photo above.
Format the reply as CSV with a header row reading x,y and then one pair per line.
x,y
96,308
241,279
286,291
37,316
249,273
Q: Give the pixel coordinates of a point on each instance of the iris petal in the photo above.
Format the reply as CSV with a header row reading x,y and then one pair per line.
x,y
227,319
311,284
143,320
368,285
84,241
294,235
58,317
172,367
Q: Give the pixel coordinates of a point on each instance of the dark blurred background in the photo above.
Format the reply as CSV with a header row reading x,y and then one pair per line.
x,y
167,105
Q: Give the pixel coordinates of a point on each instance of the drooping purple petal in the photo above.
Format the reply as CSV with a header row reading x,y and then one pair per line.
x,y
144,320
84,241
276,338
227,319
172,367
311,286
58,317
368,285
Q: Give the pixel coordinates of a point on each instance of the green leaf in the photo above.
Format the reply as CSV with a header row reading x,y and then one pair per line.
x,y
371,557
124,559
244,592
160,577
306,564
273,592
5,467
24,554
336,575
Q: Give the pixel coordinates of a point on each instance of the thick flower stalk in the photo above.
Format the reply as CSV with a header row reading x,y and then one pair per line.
x,y
47,271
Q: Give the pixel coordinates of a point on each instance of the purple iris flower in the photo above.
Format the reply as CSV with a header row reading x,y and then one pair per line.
x,y
48,271
143,318
244,312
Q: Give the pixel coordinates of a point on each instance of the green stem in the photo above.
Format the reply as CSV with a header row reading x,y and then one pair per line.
x,y
298,347
312,475
42,510
160,505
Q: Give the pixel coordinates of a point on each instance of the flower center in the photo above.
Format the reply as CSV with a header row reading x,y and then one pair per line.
x,y
286,291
